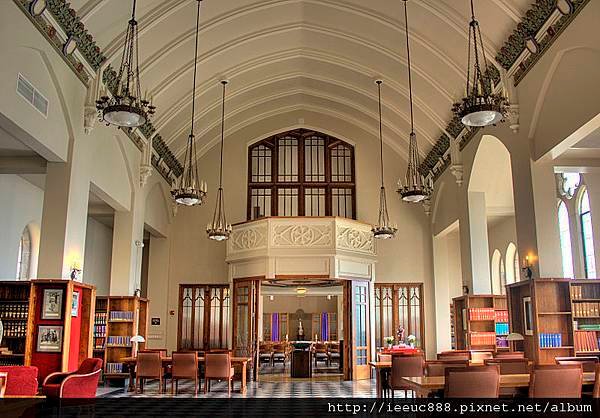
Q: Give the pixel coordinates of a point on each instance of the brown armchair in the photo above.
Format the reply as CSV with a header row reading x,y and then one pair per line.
x,y
333,352
280,354
587,363
438,367
405,366
510,365
320,353
454,355
472,382
265,350
81,383
149,366
184,366
218,367
544,381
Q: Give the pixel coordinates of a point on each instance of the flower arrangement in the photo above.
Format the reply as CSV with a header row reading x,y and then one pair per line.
x,y
411,340
389,340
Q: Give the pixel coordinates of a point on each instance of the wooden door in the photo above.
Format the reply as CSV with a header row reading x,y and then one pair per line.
x,y
245,319
356,330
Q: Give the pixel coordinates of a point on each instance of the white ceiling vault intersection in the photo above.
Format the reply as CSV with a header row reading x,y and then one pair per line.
x,y
318,55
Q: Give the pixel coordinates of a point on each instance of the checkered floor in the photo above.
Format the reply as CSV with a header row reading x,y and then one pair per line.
x,y
261,389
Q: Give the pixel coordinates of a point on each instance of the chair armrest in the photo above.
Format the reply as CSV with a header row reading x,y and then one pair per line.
x,y
57,377
80,385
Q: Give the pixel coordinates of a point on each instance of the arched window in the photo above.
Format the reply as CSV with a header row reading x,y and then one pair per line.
x,y
585,217
565,240
24,255
301,173
517,267
512,259
496,281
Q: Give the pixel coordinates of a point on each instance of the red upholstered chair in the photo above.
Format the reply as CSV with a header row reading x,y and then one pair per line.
x,y
562,381
22,380
81,383
218,367
472,382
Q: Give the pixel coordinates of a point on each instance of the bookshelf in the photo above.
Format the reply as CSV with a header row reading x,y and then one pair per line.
x,y
480,322
548,328
118,318
15,317
585,304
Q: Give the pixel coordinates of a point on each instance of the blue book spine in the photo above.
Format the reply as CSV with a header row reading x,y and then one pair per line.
x,y
542,340
559,340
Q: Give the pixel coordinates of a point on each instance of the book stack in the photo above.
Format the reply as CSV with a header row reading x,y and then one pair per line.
x,y
118,341
483,338
112,368
116,316
481,314
586,309
501,316
550,340
586,341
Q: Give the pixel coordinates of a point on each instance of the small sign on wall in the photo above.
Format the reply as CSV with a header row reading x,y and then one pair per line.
x,y
155,321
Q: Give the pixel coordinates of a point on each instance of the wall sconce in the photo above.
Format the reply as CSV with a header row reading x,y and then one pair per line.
x,y
328,297
76,271
527,268
271,297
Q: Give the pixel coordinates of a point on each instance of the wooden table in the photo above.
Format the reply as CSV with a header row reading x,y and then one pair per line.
x,y
166,361
382,369
424,386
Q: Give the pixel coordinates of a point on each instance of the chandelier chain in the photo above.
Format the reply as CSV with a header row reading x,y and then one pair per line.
x,y
224,83
380,130
412,120
195,67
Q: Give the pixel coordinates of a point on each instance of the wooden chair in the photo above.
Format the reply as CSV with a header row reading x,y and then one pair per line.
x,y
481,356
438,367
596,392
218,367
510,365
161,351
280,354
265,350
384,357
472,382
184,366
320,353
149,366
509,354
560,381
454,355
3,383
333,352
588,363
405,366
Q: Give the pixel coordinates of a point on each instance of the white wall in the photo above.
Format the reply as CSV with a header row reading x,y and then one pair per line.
x,y
21,205
98,255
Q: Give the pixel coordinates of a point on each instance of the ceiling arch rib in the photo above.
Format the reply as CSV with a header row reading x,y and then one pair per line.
x,y
264,62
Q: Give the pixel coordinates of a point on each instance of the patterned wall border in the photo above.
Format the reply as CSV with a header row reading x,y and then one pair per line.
x,y
534,20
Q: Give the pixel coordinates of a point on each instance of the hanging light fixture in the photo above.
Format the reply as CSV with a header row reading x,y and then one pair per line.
x,y
127,108
383,229
415,188
481,106
188,189
219,230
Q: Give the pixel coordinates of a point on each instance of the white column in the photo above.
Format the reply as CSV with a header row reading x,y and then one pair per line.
x,y
478,235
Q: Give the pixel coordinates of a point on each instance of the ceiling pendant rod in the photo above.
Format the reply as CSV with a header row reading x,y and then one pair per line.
x,y
224,83
380,130
412,119
195,69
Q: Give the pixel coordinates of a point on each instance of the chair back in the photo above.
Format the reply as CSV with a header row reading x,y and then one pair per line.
x,y
472,382
185,364
279,348
438,367
3,383
509,354
454,355
481,356
560,381
510,365
149,364
334,347
588,363
161,351
217,365
405,366
384,357
320,348
596,391
89,365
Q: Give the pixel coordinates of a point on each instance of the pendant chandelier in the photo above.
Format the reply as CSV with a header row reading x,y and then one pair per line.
x,y
188,189
127,108
219,230
383,229
481,106
415,188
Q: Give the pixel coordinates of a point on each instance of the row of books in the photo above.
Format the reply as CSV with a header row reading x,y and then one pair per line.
x,y
501,342
14,311
15,329
550,340
119,340
502,328
591,292
483,338
100,318
121,316
586,309
586,341
99,343
481,314
99,330
114,368
501,316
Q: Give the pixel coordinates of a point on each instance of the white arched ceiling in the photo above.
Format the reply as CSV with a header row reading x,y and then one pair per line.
x,y
313,55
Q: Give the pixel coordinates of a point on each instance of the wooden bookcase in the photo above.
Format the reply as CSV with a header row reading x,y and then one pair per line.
x,y
72,325
15,316
470,328
585,307
551,313
122,317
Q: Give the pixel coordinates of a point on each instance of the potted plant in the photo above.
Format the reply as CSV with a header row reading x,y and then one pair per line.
x,y
412,340
389,341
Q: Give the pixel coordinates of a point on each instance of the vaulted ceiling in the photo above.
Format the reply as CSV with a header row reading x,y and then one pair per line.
x,y
287,55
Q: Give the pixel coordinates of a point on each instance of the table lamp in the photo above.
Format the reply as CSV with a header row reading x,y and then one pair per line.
x,y
136,339
514,336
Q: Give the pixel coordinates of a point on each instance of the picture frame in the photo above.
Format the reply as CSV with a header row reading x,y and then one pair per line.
x,y
50,338
527,316
52,304
75,304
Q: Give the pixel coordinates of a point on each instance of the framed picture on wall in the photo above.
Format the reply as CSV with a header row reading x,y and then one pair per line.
x,y
52,304
75,304
50,338
527,316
